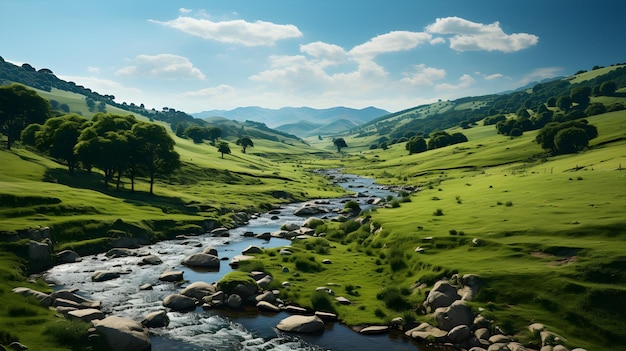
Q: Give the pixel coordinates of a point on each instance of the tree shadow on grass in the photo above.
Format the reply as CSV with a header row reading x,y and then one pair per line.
x,y
94,181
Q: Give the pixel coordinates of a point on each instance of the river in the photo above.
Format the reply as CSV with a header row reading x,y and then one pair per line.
x,y
217,329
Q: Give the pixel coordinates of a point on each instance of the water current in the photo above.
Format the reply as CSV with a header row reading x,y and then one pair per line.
x,y
219,330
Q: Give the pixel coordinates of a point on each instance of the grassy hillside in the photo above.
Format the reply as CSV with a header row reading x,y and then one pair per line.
x,y
549,235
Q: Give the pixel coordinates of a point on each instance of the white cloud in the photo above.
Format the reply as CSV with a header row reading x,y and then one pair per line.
x,y
109,87
494,76
162,66
220,90
92,69
390,42
326,54
465,81
423,75
259,33
541,73
467,35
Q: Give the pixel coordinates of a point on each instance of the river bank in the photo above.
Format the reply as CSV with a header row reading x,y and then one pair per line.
x,y
215,329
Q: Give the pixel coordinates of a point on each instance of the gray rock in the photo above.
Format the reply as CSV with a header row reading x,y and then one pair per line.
x,y
28,292
171,276
309,210
252,249
267,306
234,301
342,300
157,319
123,334
86,315
234,262
443,294
456,314
70,295
152,260
202,260
68,256
301,324
459,334
145,287
210,251
264,282
17,346
425,331
179,303
102,276
499,338
119,252
375,329
199,290
501,346
482,333
267,296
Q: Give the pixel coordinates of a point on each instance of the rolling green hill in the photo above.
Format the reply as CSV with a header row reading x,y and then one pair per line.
x,y
544,232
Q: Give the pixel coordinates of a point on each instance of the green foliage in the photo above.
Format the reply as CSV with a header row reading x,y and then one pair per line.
x,y
70,333
394,299
321,301
19,107
306,263
230,281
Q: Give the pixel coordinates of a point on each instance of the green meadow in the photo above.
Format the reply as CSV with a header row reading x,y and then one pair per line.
x,y
545,233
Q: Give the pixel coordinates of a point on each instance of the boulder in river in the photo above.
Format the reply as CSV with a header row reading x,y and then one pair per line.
x,y
301,324
179,303
171,276
152,260
199,290
102,276
157,319
309,211
68,256
252,249
202,260
86,315
122,334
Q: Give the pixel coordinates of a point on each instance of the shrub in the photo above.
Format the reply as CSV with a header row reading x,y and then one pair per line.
x,y
438,212
379,313
393,299
73,334
307,264
322,302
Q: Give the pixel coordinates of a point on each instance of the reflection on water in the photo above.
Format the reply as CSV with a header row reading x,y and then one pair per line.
x,y
215,329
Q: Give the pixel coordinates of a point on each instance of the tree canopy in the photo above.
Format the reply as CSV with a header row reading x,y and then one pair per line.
x,y
339,143
245,142
223,148
19,107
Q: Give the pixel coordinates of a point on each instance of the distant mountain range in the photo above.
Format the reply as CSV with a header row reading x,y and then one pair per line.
x,y
301,121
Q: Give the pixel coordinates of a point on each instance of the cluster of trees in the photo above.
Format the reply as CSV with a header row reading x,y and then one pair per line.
x,y
566,138
569,107
198,133
436,140
117,145
19,107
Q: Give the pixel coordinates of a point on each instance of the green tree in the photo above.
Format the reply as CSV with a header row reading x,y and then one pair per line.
x,y
564,103
571,140
416,145
19,107
339,143
59,135
244,142
214,134
196,133
155,150
608,88
581,96
223,148
595,108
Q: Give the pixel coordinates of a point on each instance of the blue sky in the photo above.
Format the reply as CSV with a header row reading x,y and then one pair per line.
x,y
393,54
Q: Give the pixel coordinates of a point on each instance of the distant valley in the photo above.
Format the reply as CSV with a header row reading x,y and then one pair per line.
x,y
301,121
